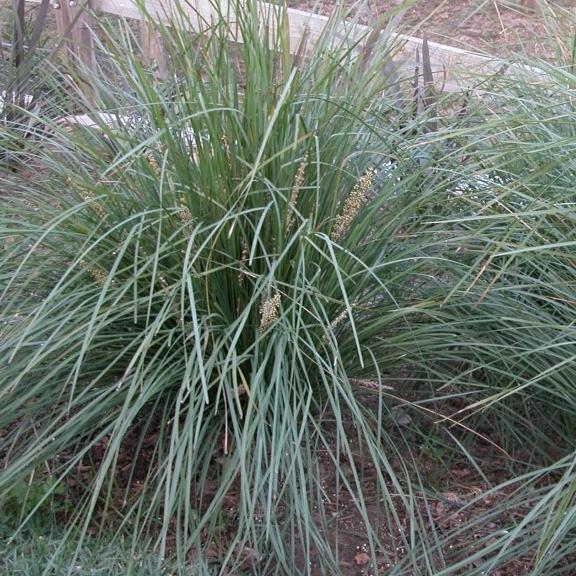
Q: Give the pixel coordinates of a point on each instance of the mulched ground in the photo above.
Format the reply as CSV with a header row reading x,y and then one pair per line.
x,y
461,495
491,26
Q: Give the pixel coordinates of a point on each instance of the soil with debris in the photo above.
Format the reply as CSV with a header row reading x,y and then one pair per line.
x,y
497,27
461,495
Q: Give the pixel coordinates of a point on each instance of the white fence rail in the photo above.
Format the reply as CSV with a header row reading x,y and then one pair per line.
x,y
449,65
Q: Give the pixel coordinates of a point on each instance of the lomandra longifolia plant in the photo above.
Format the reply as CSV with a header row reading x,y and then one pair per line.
x,y
190,290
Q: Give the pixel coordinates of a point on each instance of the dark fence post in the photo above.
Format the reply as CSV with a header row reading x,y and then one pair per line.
x,y
153,49
73,24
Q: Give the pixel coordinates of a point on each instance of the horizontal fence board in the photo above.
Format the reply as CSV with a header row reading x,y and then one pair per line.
x,y
453,68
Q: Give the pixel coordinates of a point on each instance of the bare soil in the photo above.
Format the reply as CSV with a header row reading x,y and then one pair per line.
x,y
460,495
497,27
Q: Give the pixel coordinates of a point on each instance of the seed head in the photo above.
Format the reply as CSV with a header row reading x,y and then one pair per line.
x,y
185,215
87,196
97,274
186,218
342,316
353,204
269,311
149,156
339,318
226,150
298,181
243,259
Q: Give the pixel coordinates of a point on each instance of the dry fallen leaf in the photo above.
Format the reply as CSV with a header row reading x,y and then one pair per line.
x,y
361,558
452,497
461,472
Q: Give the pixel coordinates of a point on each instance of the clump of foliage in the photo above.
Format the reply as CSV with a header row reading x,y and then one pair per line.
x,y
213,264
215,267
43,549
511,316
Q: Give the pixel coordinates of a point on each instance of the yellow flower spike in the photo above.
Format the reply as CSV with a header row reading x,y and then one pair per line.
x,y
353,204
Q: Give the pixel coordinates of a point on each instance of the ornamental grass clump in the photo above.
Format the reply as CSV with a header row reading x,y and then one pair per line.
x,y
511,319
182,286
205,282
201,281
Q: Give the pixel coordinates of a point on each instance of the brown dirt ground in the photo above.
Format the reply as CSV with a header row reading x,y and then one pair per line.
x,y
461,495
498,27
